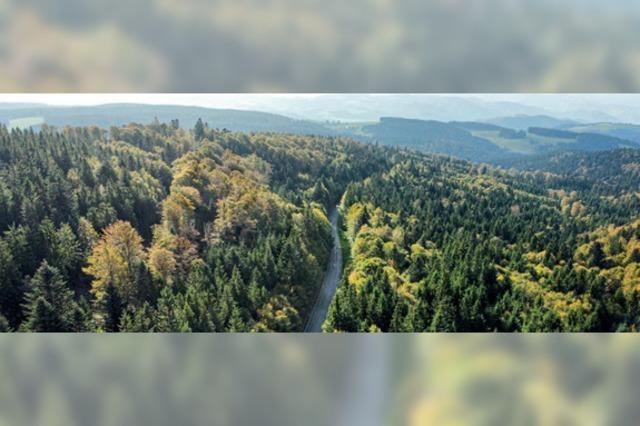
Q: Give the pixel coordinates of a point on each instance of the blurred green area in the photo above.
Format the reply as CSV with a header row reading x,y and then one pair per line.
x,y
168,380
318,380
523,380
319,46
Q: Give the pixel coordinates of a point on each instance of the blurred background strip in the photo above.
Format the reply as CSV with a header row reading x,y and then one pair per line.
x,y
319,380
319,46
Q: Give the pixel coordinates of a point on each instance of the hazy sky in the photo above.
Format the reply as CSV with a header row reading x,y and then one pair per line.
x,y
583,107
245,100
205,100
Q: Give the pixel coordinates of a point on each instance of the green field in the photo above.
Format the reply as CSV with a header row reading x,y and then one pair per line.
x,y
527,145
25,122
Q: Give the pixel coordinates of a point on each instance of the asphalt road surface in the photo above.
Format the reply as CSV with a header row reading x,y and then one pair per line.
x,y
330,281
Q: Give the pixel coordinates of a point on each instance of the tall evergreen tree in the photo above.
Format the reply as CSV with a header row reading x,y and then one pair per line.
x,y
49,303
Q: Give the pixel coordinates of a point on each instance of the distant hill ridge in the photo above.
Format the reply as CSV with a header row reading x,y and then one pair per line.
x,y
120,114
475,141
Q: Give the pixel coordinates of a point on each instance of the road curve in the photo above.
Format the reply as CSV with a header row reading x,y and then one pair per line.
x,y
330,281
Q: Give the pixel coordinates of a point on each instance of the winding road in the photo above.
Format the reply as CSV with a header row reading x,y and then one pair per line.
x,y
363,399
330,281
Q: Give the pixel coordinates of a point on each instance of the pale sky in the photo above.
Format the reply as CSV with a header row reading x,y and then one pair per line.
x,y
246,100
213,100
622,107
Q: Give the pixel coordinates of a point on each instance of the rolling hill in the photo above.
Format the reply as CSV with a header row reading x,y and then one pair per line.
x,y
475,141
540,140
429,136
523,122
119,114
619,130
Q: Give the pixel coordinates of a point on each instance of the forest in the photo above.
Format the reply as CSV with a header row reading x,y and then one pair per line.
x,y
158,227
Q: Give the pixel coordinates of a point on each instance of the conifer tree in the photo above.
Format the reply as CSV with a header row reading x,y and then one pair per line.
x,y
49,303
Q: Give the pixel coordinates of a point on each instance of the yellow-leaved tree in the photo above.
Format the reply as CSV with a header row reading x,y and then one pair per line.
x,y
115,259
162,263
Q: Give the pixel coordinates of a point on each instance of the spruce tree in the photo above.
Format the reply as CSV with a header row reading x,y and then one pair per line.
x,y
49,303
112,308
198,130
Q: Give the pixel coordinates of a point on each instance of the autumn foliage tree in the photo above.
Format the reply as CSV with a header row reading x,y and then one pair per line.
x,y
114,261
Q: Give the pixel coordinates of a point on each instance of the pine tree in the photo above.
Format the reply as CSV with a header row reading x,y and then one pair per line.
x,y
145,288
398,317
11,291
237,322
408,325
444,318
82,317
198,130
139,320
112,307
269,267
257,295
43,318
49,302
239,291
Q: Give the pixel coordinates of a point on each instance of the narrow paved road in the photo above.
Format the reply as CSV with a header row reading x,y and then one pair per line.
x,y
330,281
365,393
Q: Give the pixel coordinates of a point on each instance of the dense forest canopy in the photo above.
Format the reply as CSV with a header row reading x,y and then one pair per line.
x,y
161,228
